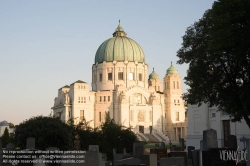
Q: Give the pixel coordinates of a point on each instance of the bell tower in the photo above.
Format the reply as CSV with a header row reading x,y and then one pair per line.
x,y
174,105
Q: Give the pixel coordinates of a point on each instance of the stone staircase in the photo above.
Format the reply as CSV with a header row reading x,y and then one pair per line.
x,y
151,138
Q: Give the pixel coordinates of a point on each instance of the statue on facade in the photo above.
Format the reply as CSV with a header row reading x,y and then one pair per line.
x,y
56,101
66,98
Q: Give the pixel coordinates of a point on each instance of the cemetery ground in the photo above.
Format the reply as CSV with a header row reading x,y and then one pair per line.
x,y
41,137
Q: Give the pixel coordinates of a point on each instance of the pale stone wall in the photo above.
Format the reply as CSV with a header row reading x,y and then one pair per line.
x,y
114,68
174,106
131,103
156,84
103,105
205,117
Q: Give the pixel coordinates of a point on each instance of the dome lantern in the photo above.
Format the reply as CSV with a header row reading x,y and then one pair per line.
x,y
119,31
119,48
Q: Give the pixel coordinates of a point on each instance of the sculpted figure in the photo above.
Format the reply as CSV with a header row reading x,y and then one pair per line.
x,y
55,101
66,98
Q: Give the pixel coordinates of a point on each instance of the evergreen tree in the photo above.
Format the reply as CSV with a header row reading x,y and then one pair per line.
x,y
5,137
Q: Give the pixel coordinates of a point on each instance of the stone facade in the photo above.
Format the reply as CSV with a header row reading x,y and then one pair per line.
x,y
124,90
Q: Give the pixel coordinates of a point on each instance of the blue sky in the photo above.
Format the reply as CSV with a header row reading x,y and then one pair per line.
x,y
45,45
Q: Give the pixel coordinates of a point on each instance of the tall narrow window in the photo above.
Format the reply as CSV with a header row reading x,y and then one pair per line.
x,y
100,98
174,101
174,84
165,85
131,76
100,116
110,76
140,76
81,99
177,116
100,77
120,76
81,114
165,115
94,79
104,98
108,98
69,114
168,85
177,84
84,99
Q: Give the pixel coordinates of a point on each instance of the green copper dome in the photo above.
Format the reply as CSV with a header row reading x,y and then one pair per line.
x,y
172,70
119,48
153,75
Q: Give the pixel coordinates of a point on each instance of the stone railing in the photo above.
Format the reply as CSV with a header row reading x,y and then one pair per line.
x,y
164,138
157,137
143,136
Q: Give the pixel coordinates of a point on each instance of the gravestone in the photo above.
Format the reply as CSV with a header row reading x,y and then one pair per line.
x,y
77,143
30,143
190,149
161,153
243,139
94,148
91,158
172,161
163,145
138,148
10,146
178,154
128,161
1,152
120,156
181,143
248,151
119,145
232,142
212,157
170,145
148,160
209,139
196,157
201,144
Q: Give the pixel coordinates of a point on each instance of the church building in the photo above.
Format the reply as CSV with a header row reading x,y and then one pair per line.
x,y
121,88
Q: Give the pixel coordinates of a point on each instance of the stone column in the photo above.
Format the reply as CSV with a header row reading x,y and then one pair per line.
x,y
176,133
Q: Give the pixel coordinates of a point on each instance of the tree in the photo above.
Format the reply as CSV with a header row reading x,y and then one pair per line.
x,y
217,49
5,137
47,131
11,125
110,130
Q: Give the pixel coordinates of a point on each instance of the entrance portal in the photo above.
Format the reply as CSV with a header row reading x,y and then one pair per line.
x,y
141,129
150,129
